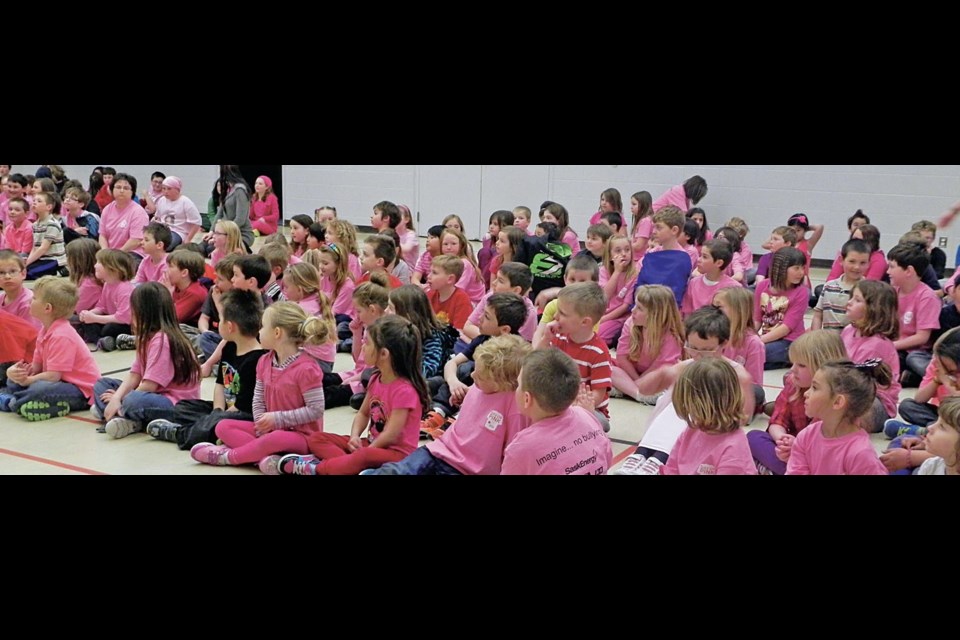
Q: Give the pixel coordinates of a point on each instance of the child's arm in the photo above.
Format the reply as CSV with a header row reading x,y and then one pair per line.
x,y
815,238
927,391
626,364
360,423
653,382
619,312
749,402
356,328
469,331
207,367
457,389
113,398
920,338
546,296
817,322
545,334
38,252
311,411
203,324
416,277
777,333
640,246
220,399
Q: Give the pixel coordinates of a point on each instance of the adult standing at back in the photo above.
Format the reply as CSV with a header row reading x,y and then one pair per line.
x,y
683,196
177,212
265,208
234,203
123,220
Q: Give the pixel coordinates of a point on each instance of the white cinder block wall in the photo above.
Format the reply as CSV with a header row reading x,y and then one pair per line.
x,y
894,196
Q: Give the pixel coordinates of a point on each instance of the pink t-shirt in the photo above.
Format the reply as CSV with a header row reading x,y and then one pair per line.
x,y
310,304
622,290
148,271
18,239
700,293
918,310
177,214
529,325
117,227
742,260
408,238
88,293
60,348
571,240
676,196
486,424
698,453
423,264
115,300
343,305
694,254
875,270
752,355
20,306
669,352
643,230
353,264
928,376
159,369
772,309
860,349
850,455
387,398
470,284
571,443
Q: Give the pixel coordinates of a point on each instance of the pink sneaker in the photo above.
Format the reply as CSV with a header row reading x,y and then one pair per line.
x,y
270,466
207,453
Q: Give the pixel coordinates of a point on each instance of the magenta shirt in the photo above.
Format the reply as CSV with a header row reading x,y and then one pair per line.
x,y
88,293
387,398
772,309
486,424
117,227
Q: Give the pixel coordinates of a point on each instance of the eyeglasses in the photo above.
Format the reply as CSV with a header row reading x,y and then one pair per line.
x,y
9,274
122,187
219,233
701,351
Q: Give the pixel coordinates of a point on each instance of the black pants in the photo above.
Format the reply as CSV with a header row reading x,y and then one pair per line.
x,y
198,421
93,332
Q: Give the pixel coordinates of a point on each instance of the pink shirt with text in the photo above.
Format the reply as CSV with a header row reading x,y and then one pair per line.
x,y
572,443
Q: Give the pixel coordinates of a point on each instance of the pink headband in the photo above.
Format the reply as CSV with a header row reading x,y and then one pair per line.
x,y
267,181
173,182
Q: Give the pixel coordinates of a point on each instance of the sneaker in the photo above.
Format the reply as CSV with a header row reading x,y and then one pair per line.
x,y
121,428
5,400
212,454
435,433
356,400
95,412
616,393
631,465
768,408
163,430
297,465
650,467
93,347
270,466
126,342
650,401
433,421
894,428
762,470
107,343
37,410
345,346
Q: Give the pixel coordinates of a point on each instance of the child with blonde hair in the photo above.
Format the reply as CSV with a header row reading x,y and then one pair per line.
x,y
391,410
344,234
521,219
941,443
707,396
454,243
744,347
111,315
287,400
617,275
488,421
337,283
562,439
226,240
454,222
302,286
840,393
771,448
652,337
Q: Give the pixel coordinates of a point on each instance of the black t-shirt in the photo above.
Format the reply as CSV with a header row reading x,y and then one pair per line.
x,y
238,375
210,310
938,260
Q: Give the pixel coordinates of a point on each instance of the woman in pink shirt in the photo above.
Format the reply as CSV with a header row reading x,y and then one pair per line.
x,y
264,207
123,220
165,369
683,196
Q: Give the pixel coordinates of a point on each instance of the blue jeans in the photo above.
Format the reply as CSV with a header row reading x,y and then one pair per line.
x,y
207,342
918,361
50,392
175,241
419,463
139,406
778,355
920,414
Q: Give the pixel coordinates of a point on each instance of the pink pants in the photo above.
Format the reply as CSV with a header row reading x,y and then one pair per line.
x,y
338,461
246,448
265,227
610,329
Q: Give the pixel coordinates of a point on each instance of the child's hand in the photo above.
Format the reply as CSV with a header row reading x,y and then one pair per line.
x,y
83,315
81,231
113,407
621,263
911,444
265,424
207,368
354,444
457,393
216,295
356,327
784,447
896,459
585,399
553,328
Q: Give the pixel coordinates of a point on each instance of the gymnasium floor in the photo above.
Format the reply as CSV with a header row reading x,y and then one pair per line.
x,y
71,445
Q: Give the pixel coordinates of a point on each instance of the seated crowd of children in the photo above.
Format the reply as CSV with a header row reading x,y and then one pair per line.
x,y
505,358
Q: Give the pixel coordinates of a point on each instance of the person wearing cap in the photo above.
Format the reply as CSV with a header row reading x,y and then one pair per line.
x,y
177,212
800,223
683,196
264,207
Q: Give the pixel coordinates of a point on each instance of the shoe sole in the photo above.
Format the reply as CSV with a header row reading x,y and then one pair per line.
x,y
37,410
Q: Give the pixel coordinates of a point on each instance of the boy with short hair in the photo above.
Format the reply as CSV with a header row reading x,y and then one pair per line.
x,y
918,308
63,372
613,220
386,215
376,254
831,310
562,439
513,277
18,232
669,266
153,268
279,257
580,269
253,273
488,421
579,307
928,232
714,259
184,269
779,238
450,303
195,421
504,314
49,254
212,309
597,237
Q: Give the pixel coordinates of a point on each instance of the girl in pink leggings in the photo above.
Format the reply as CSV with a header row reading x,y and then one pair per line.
x,y
288,397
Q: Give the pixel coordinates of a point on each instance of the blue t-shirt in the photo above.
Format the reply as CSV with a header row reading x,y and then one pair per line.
x,y
670,268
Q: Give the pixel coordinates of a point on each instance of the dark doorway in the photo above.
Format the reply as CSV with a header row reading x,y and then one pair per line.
x,y
251,172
